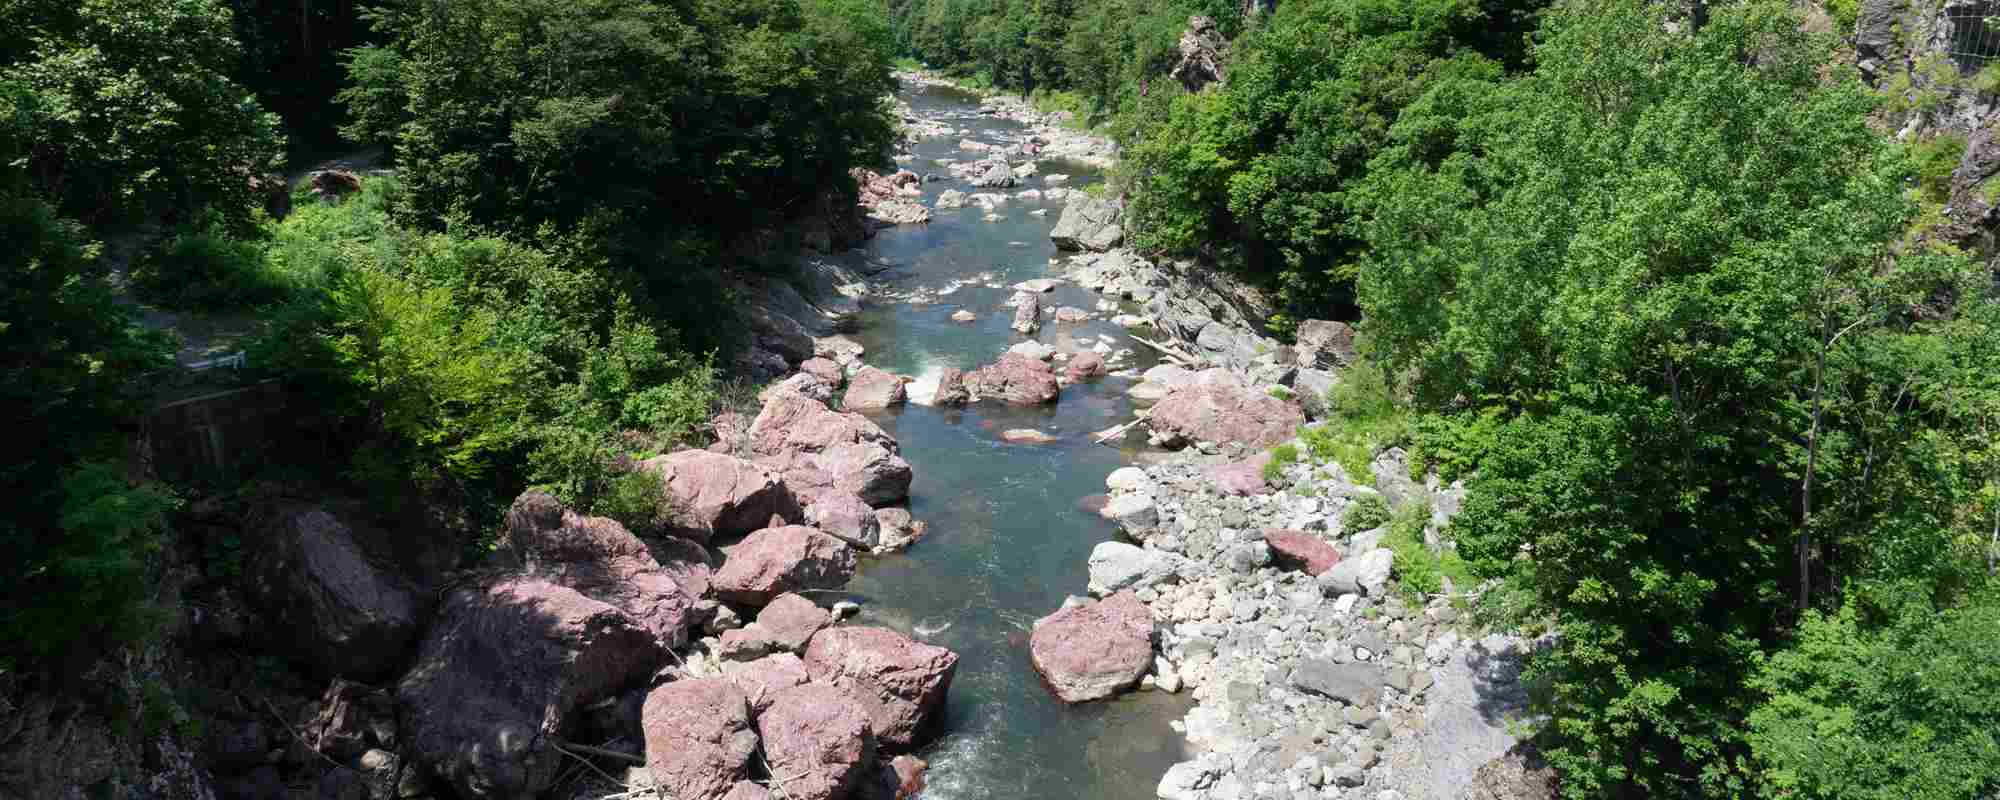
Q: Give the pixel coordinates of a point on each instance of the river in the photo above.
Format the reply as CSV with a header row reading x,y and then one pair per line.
x,y
1009,539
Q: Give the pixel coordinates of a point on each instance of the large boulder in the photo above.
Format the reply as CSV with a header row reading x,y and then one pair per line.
x,y
1218,407
1302,550
995,175
774,561
762,680
783,626
1084,366
1015,379
951,389
899,529
803,384
1355,684
698,738
1366,574
847,515
1240,478
778,333
873,388
1116,566
1324,345
711,494
598,557
499,673
817,737
789,423
871,472
1088,223
337,594
1093,650
901,682
825,370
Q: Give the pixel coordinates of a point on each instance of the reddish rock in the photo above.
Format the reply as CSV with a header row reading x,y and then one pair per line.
x,y
793,424
762,680
598,557
873,388
1219,407
875,474
1027,312
1302,550
1084,366
499,673
1015,379
711,494
1241,478
899,778
731,431
824,369
774,561
903,682
1093,650
688,563
698,738
747,790
783,626
817,737
352,718
847,515
951,389
1025,436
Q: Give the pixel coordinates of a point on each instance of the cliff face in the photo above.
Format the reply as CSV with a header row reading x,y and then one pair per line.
x,y
1937,65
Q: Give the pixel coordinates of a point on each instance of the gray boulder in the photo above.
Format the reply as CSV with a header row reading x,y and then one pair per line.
x,y
1115,566
337,593
1355,684
1366,574
1088,223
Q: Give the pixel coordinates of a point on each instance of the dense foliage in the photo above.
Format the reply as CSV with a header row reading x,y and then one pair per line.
x,y
663,130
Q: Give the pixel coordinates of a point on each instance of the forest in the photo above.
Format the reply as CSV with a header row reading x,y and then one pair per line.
x,y
1672,285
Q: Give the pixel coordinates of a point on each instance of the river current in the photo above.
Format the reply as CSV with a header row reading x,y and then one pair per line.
x,y
1009,538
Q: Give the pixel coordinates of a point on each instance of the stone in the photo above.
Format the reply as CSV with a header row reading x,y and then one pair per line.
x,y
1027,312
1324,345
598,557
899,212
725,619
871,388
793,424
901,682
1127,479
1071,315
950,198
1115,566
337,594
762,680
1347,775
1366,574
1033,349
825,370
712,494
803,384
1520,774
1357,685
899,529
997,175
1095,649
1218,407
1301,550
1038,285
501,670
351,719
784,559
698,737
749,790
1015,380
1025,436
951,389
1088,223
1185,781
1311,386
783,626
963,315
1133,511
1086,365
778,333
818,737
847,515
1240,478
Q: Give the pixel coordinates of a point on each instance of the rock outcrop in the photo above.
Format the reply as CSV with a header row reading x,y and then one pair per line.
x,y
499,673
775,561
1095,649
1324,345
1198,58
698,738
901,682
1089,223
951,389
711,494
1015,379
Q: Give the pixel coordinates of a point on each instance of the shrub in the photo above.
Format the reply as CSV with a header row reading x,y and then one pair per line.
x,y
1933,161
206,270
1367,513
1282,456
1363,417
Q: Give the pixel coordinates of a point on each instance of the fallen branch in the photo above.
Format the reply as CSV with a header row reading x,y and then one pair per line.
x,y
586,762
850,541
1118,431
604,751
295,734
1172,354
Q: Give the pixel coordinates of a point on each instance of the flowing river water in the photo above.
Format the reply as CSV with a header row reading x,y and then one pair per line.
x,y
1009,538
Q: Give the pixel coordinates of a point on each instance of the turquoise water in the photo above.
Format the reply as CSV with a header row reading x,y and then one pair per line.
x,y
1008,537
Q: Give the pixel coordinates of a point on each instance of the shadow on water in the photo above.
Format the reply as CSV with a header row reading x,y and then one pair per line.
x,y
1009,539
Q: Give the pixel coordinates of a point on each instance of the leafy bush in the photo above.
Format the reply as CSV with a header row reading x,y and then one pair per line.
x,y
1454,444
1869,712
1282,456
1934,160
1363,417
1366,513
206,270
